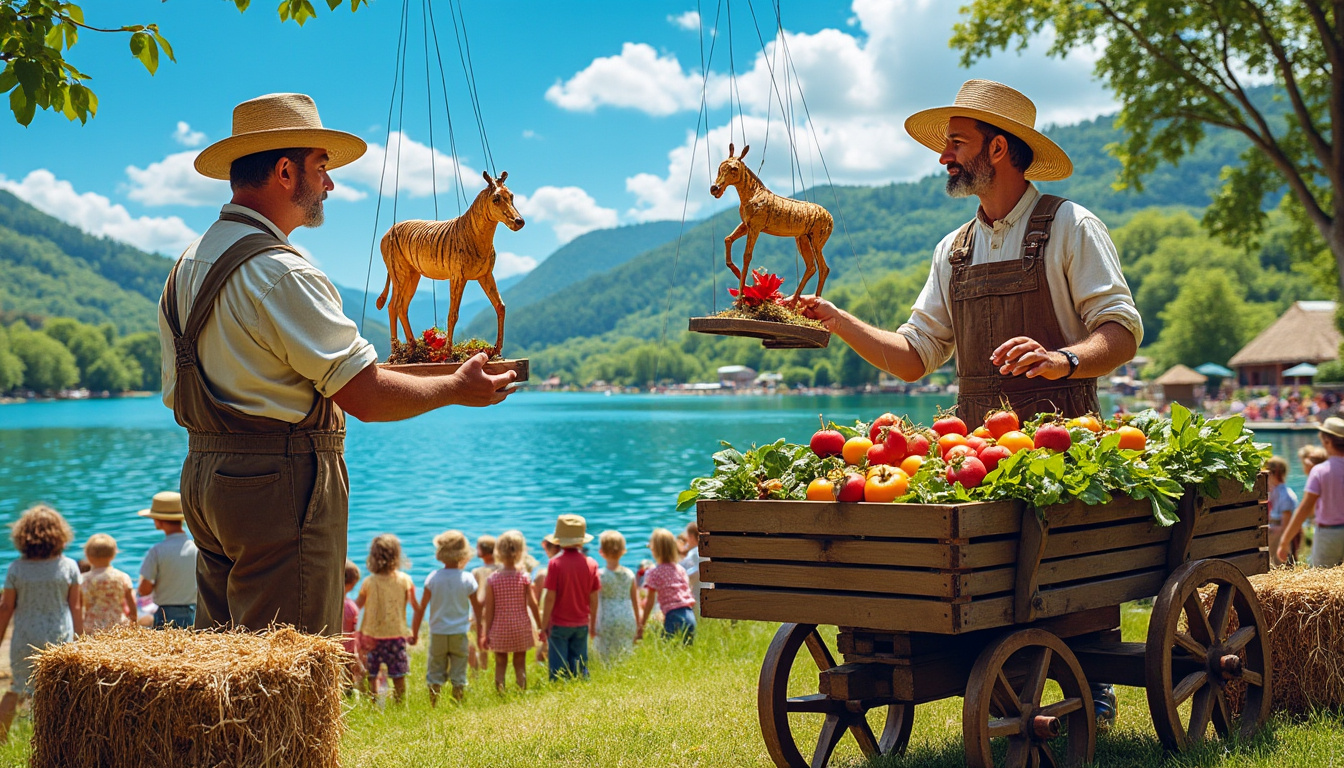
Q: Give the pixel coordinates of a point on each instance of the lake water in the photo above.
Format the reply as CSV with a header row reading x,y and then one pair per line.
x,y
617,460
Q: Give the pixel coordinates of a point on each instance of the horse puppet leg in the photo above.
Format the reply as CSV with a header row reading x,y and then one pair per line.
x,y
816,240
403,290
752,234
728,249
487,282
455,289
809,263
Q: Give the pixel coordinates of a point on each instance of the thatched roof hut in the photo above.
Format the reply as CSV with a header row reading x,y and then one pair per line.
x,y
1306,333
1180,384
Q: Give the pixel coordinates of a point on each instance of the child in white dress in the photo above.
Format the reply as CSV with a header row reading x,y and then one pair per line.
x,y
618,602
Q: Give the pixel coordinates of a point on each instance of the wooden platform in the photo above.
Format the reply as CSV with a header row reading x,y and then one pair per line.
x,y
959,568
772,335
494,367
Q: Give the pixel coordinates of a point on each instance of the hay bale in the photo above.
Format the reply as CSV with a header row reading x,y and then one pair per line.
x,y
133,696
1304,612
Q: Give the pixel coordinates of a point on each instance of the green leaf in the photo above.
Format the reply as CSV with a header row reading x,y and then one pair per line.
x,y
21,106
68,105
242,4
8,79
30,77
333,4
73,12
163,43
79,101
146,50
55,37
1180,417
1231,428
685,500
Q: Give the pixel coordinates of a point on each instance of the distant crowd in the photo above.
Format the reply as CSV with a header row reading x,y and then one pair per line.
x,y
1286,405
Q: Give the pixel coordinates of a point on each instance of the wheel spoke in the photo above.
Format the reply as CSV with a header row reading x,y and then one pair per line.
x,y
1239,639
1047,756
831,732
1034,687
1004,726
1197,619
1190,644
1188,685
1061,709
1252,678
816,703
820,653
1222,714
1201,709
1222,608
1004,697
1019,753
863,733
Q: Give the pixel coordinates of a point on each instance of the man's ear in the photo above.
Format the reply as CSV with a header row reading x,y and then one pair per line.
x,y
998,148
286,172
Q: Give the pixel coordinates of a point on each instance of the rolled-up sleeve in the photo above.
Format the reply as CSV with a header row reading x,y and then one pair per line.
x,y
929,329
1100,293
300,319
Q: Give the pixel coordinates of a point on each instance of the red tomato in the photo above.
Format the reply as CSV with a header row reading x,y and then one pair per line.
x,y
992,455
950,425
1000,423
875,431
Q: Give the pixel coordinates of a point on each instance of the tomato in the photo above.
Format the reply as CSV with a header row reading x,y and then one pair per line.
x,y
968,470
882,453
992,455
912,464
957,450
1132,438
851,488
1054,437
977,443
946,442
821,489
885,484
950,425
897,441
1015,441
1000,423
855,449
1090,423
983,432
885,420
917,445
827,442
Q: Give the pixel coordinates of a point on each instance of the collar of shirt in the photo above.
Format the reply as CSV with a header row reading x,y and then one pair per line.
x,y
243,210
997,230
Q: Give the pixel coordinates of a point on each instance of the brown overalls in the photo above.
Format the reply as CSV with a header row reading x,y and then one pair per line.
x,y
994,302
266,501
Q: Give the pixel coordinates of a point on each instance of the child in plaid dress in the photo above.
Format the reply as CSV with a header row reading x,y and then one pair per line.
x,y
510,610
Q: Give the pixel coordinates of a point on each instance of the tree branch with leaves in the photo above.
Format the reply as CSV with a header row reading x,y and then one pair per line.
x,y
37,35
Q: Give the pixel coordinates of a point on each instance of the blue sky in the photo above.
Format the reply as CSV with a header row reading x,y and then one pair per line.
x,y
590,106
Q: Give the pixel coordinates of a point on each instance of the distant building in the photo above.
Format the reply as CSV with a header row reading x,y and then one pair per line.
x,y
1306,333
736,375
1181,385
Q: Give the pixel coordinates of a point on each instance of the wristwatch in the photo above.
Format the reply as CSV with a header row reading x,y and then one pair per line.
x,y
1073,361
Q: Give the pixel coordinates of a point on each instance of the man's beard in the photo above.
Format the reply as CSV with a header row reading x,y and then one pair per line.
x,y
309,199
974,178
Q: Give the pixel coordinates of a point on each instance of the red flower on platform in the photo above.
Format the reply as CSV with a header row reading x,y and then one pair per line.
x,y
763,290
435,338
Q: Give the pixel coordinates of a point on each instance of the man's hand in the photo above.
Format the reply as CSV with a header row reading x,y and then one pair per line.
x,y
473,387
1022,355
821,310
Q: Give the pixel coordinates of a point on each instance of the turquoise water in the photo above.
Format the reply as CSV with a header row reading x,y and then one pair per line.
x,y
617,460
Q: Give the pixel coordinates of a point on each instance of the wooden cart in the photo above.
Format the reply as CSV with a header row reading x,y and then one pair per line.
x,y
988,601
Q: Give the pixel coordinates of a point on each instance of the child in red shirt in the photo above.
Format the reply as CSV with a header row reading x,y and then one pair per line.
x,y
569,613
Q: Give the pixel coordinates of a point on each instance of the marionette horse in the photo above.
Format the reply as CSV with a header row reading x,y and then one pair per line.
x,y
808,224
457,250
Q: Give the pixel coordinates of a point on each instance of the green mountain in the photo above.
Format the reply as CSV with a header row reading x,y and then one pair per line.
x,y
588,254
878,230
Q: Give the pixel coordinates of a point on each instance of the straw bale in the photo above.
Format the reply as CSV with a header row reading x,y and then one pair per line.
x,y
131,696
1304,613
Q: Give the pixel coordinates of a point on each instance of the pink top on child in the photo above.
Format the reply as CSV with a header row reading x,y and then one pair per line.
x,y
669,580
1327,481
349,620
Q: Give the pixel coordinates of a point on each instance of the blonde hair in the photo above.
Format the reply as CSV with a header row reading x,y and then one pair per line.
x,y
1311,454
664,545
611,543
41,532
510,547
101,546
352,573
486,545
384,554
451,548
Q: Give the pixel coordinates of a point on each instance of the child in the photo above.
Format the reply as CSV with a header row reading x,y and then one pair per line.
x,y
572,588
384,597
618,603
485,549
1310,456
168,571
1323,499
509,611
539,591
349,625
670,587
42,597
1282,502
109,600
450,597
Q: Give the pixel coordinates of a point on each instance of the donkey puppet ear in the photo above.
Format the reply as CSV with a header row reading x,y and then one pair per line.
x,y
730,149
486,175
744,152
503,176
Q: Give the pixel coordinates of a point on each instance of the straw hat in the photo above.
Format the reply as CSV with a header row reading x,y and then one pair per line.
x,y
570,531
277,121
167,505
1332,426
1003,108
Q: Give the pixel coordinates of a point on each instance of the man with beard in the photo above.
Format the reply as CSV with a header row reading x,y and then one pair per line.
x,y
260,364
1029,294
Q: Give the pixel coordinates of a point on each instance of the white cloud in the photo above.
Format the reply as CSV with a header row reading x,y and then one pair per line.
x,y
417,177
347,193
509,264
174,181
637,78
187,137
572,210
688,20
98,215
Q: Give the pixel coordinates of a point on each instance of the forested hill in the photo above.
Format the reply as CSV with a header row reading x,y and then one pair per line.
x,y
878,230
51,269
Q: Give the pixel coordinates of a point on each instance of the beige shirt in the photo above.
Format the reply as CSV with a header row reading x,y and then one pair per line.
x,y
385,605
1087,288
277,337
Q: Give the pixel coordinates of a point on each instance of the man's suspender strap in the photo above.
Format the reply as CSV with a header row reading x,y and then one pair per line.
x,y
1038,226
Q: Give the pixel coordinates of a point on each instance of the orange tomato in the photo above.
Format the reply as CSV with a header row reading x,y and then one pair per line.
x,y
1132,438
1016,441
912,464
1090,423
886,484
949,441
983,432
856,450
821,489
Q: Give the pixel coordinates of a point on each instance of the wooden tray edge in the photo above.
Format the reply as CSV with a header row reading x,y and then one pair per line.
x,y
774,335
521,366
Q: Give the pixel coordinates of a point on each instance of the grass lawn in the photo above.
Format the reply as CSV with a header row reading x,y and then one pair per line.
x,y
670,706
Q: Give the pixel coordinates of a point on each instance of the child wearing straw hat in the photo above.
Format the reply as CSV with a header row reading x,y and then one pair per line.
x,y
1323,498
168,572
573,587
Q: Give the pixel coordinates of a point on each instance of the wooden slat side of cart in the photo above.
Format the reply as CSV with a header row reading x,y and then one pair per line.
x,y
954,569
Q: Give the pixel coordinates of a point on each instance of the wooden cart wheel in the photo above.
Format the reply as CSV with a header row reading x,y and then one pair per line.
x,y
775,705
1006,699
1193,660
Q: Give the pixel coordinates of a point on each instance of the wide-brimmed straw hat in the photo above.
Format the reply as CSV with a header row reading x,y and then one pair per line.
x,y
277,121
1003,108
1332,426
167,505
570,531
